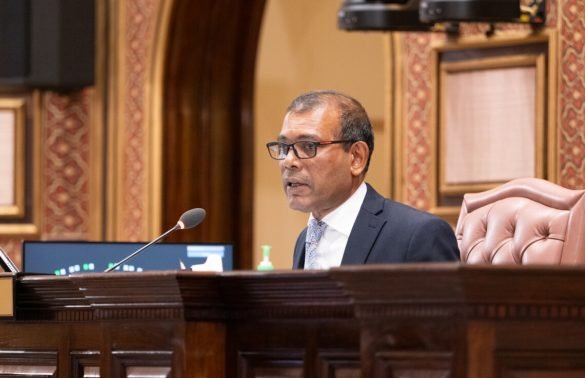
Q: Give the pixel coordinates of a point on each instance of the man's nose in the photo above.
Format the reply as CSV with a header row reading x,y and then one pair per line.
x,y
291,158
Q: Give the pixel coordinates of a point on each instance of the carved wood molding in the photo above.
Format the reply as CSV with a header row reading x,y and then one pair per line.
x,y
388,292
29,363
181,296
478,311
143,363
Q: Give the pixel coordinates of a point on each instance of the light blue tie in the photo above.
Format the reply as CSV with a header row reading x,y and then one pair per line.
x,y
314,233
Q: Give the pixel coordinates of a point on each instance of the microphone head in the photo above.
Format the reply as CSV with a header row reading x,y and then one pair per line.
x,y
191,218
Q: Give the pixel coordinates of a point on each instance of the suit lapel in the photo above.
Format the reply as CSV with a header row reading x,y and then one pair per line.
x,y
299,253
366,229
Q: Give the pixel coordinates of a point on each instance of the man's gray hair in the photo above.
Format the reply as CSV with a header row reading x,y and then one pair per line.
x,y
354,122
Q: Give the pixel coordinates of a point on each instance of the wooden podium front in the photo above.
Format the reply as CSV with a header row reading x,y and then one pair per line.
x,y
180,324
427,320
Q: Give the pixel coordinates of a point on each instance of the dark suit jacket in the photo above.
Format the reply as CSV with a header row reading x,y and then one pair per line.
x,y
390,232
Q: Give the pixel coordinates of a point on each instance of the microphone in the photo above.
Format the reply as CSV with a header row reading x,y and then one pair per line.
x,y
189,219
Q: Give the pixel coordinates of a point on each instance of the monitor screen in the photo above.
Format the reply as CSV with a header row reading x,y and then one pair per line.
x,y
69,257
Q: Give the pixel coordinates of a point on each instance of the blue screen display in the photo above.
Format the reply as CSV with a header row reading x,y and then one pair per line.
x,y
67,257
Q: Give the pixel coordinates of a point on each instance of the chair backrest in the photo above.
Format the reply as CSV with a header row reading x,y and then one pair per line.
x,y
524,221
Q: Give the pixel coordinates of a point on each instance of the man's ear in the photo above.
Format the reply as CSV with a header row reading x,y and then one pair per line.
x,y
359,157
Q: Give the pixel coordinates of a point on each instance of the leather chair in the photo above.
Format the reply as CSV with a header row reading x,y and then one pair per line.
x,y
524,221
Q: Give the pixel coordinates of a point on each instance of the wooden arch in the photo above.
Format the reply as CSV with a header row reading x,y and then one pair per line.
x,y
207,119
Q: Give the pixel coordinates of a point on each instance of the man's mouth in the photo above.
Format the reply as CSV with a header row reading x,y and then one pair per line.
x,y
294,184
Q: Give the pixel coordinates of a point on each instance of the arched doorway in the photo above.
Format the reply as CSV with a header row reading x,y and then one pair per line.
x,y
207,120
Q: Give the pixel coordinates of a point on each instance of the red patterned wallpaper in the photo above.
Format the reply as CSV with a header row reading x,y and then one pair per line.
x,y
418,103
139,21
65,165
572,93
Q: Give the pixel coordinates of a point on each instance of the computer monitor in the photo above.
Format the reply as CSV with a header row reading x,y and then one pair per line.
x,y
70,257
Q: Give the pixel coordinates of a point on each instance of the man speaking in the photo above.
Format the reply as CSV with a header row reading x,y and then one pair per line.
x,y
324,150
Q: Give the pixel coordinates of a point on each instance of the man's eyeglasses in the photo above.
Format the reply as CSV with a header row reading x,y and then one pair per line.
x,y
303,149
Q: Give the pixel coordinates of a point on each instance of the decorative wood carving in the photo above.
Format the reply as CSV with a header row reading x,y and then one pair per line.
x,y
85,364
136,364
282,363
339,363
28,363
526,364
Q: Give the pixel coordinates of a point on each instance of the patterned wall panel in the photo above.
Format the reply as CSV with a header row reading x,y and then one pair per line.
x,y
418,108
572,93
139,20
65,165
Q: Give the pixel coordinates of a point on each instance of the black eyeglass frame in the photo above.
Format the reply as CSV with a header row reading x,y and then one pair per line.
x,y
287,146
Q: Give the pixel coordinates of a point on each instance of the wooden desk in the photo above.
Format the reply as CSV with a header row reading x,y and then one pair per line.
x,y
442,320
469,321
6,295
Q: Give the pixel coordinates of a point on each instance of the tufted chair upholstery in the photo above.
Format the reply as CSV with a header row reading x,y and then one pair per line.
x,y
525,221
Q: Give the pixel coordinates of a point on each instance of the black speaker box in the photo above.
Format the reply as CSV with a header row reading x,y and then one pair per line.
x,y
47,43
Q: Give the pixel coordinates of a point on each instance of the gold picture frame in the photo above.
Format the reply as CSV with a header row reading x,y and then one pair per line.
x,y
489,116
513,51
12,157
21,215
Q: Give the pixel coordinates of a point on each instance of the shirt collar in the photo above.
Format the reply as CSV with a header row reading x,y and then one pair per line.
x,y
343,217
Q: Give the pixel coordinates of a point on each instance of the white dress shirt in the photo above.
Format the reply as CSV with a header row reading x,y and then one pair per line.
x,y
339,224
